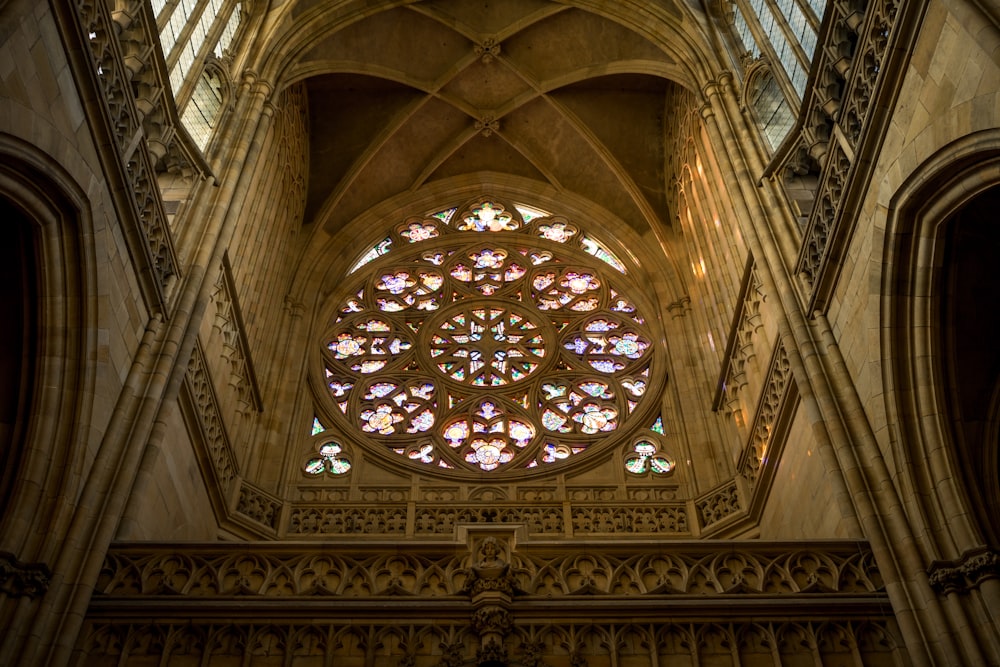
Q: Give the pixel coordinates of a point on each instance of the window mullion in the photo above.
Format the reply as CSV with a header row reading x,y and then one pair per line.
x,y
182,25
186,83
809,10
792,42
767,48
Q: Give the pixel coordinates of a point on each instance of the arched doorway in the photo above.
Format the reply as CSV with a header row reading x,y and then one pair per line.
x,y
970,357
18,335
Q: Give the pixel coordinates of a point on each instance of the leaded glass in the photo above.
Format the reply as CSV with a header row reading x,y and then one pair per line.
x,y
488,342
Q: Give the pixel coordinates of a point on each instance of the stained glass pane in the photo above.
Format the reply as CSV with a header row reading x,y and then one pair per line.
x,y
488,217
529,213
445,216
379,249
594,247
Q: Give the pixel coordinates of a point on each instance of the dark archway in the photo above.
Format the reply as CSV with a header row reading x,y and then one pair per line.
x,y
939,365
970,320
18,336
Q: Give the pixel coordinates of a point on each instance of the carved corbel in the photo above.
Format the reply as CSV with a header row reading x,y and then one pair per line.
x,y
491,587
966,573
19,579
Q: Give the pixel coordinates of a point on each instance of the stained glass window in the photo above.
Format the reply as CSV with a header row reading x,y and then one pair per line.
x,y
647,457
331,460
493,338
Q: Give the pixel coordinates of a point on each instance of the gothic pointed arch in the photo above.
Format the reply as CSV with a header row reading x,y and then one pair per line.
x,y
45,224
941,367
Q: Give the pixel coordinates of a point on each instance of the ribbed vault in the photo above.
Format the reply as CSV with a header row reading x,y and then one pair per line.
x,y
403,96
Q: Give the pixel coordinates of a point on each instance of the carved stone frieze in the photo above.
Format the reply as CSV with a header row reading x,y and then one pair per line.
x,y
124,123
426,584
824,216
876,32
651,517
347,520
852,58
353,571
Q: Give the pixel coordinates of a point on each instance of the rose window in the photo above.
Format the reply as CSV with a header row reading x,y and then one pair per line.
x,y
489,338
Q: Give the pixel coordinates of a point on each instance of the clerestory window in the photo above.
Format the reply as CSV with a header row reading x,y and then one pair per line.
x,y
491,338
783,33
192,34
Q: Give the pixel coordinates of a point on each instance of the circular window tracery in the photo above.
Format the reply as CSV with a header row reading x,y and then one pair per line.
x,y
490,339
488,345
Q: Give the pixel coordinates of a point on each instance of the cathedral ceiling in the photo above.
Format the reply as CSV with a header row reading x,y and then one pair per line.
x,y
556,98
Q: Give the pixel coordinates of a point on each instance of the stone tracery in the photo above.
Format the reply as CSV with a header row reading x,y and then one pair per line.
x,y
497,335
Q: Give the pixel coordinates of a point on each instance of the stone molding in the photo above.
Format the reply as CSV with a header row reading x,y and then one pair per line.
x,y
207,419
235,345
152,245
19,579
813,640
856,56
739,349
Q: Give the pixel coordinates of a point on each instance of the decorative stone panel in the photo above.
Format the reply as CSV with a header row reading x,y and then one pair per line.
x,y
856,642
492,598
719,504
255,504
768,411
209,422
650,518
